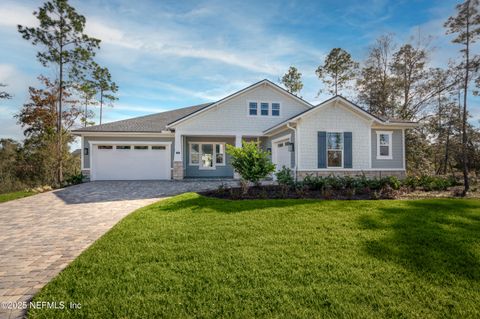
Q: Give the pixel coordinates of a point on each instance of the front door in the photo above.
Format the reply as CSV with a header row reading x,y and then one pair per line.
x,y
282,155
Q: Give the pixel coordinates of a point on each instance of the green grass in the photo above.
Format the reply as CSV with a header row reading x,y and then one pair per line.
x,y
192,256
5,197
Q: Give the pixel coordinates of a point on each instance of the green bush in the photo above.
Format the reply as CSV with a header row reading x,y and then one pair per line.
x,y
313,182
74,179
358,184
385,185
429,183
390,181
412,182
285,177
252,163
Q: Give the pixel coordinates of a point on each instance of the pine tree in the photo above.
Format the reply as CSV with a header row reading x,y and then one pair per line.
x,y
337,71
292,80
66,48
466,26
104,86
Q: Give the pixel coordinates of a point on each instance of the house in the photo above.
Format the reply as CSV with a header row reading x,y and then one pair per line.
x,y
334,137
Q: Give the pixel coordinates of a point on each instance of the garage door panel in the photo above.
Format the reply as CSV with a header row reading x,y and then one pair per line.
x,y
131,164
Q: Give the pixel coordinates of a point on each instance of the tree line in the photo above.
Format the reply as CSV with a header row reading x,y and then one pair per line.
x,y
398,81
53,108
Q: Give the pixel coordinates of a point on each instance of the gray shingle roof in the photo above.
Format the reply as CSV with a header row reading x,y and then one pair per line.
x,y
148,123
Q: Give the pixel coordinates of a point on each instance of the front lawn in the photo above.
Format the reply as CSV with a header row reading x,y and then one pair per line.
x,y
192,256
5,197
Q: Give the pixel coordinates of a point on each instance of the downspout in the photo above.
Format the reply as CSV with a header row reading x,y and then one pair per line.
x,y
295,149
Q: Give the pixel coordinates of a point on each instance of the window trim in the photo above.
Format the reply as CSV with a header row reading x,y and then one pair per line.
x,y
259,108
200,154
279,109
390,143
248,108
268,109
342,150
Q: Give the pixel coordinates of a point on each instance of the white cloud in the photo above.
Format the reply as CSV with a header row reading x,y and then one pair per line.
x,y
13,14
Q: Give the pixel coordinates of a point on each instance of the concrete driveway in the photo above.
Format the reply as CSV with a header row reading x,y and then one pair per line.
x,y
41,234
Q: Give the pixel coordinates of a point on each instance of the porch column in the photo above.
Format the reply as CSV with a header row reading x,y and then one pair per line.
x,y
238,143
178,156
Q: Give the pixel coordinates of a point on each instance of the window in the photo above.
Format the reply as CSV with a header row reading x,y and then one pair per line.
x,y
334,149
140,147
123,147
252,108
264,109
220,154
159,148
207,155
275,109
384,145
105,147
194,154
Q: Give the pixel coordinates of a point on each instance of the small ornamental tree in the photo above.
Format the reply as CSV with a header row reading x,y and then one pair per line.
x,y
252,163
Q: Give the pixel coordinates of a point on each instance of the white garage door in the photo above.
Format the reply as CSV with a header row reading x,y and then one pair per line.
x,y
130,162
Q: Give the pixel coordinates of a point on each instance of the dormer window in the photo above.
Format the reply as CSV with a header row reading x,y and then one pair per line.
x,y
252,108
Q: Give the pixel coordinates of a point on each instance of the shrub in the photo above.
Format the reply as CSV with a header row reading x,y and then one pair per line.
x,y
285,177
252,163
74,179
390,181
429,183
411,182
313,182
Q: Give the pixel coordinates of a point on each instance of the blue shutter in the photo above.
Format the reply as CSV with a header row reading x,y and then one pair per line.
x,y
322,149
347,150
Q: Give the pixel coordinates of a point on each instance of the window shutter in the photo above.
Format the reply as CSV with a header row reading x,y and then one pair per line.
x,y
322,149
347,150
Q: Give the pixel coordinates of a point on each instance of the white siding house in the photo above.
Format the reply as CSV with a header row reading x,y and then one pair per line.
x,y
334,137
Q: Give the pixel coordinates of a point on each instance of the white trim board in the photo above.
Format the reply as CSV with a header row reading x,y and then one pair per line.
x,y
124,134
129,142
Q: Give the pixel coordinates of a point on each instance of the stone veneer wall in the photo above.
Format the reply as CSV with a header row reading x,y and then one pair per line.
x,y
369,174
86,175
177,170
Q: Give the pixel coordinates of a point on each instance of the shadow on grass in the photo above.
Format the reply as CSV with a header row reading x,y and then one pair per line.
x,y
198,203
434,239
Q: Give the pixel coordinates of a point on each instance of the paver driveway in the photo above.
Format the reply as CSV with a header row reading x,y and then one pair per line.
x,y
41,234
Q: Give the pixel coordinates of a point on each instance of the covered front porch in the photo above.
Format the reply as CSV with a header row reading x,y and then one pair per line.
x,y
203,155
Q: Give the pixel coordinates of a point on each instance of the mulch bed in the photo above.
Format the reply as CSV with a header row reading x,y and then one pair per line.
x,y
278,192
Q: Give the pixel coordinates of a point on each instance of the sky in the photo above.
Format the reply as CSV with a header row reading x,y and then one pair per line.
x,y
169,54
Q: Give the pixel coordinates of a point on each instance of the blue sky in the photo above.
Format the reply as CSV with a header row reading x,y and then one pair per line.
x,y
169,54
